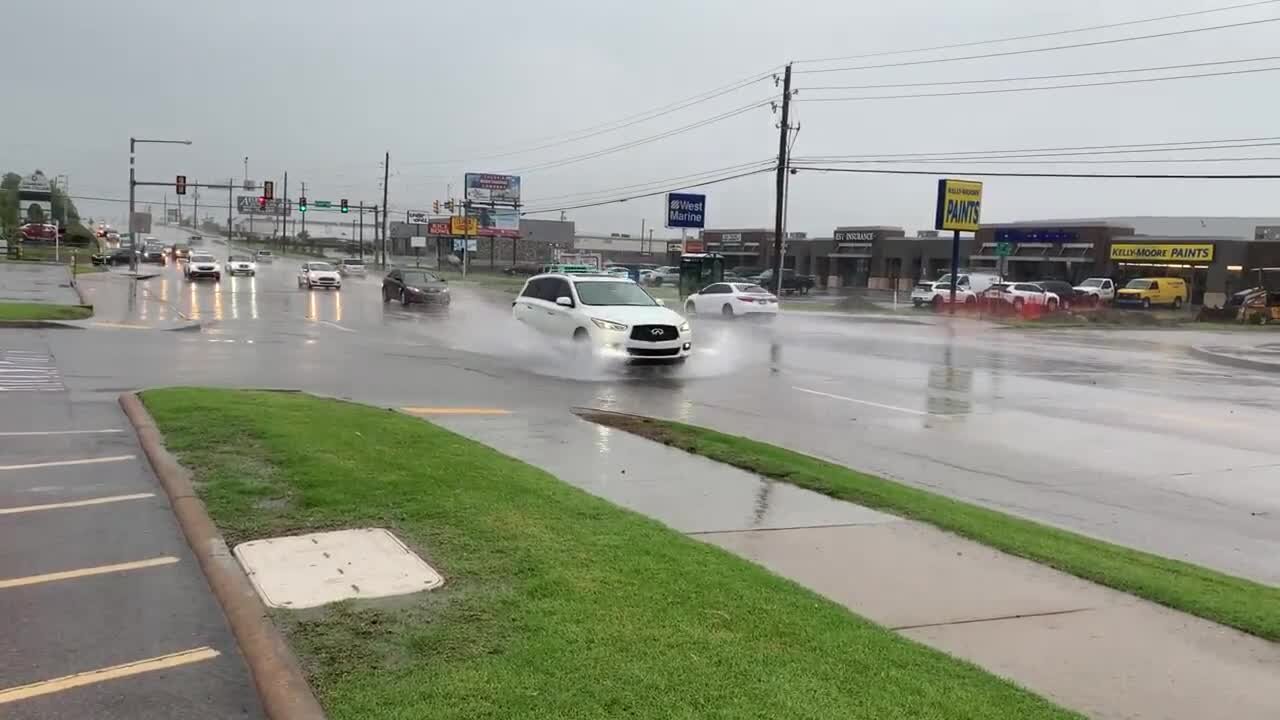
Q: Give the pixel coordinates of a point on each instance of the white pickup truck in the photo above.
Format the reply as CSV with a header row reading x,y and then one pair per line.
x,y
939,292
1095,291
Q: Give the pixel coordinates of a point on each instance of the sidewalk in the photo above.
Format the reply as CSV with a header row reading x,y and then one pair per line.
x,y
1100,652
1260,357
37,282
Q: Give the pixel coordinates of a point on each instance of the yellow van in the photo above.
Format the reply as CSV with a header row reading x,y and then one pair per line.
x,y
1153,291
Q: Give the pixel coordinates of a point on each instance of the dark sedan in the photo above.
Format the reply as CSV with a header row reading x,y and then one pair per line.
x,y
154,254
115,257
415,286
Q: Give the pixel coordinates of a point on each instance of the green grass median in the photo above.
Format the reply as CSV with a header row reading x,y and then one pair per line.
x,y
1243,604
557,604
25,311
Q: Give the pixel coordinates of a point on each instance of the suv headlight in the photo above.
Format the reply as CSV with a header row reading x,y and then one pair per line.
x,y
606,325
684,327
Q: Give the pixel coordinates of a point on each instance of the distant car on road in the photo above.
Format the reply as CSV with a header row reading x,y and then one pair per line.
x,y
1096,291
415,286
732,299
348,267
241,265
264,257
319,274
180,251
195,240
153,252
618,271
116,257
202,265
616,318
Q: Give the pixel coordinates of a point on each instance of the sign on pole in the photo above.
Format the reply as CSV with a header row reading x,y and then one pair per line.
x,y
468,244
322,203
417,217
418,241
438,226
253,205
686,210
1004,249
459,225
959,205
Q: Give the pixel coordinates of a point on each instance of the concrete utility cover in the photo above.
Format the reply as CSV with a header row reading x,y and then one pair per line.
x,y
312,570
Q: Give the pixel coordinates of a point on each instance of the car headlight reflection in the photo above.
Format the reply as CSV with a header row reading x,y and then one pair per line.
x,y
684,327
606,325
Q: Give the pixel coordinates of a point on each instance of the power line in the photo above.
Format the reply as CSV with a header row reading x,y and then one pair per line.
x,y
1006,154
1043,77
664,181
1037,88
1053,33
649,194
1055,149
644,141
986,173
614,125
1051,48
1048,161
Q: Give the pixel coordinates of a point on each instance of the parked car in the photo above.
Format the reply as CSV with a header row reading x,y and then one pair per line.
x,y
523,269
348,267
616,318
666,275
791,281
1020,295
202,265
241,265
1062,289
319,274
618,271
939,292
1096,291
1146,292
415,286
116,257
732,300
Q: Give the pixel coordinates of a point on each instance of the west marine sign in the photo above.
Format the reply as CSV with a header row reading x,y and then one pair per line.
x,y
1163,253
959,205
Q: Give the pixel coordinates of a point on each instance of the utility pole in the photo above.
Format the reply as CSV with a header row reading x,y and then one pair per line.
x,y
284,215
246,185
386,177
376,239
179,212
642,252
231,186
195,206
166,207
361,236
781,190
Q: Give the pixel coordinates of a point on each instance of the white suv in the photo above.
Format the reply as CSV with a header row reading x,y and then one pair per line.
x,y
614,315
967,290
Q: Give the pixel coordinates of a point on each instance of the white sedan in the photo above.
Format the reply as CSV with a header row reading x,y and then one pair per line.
x,y
731,299
319,274
241,265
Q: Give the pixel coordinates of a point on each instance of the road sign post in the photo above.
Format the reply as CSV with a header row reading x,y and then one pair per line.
x,y
959,207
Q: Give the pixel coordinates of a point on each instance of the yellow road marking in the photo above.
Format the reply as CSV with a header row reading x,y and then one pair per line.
x,y
86,572
45,687
455,411
74,503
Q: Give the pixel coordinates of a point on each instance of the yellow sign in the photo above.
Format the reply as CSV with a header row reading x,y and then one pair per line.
x,y
459,225
1171,253
959,205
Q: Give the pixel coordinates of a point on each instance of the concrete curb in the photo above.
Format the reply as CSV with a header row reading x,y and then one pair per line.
x,y
1203,353
39,324
283,690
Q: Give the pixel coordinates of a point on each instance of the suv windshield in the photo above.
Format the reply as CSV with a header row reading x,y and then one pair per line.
x,y
202,258
239,258
613,293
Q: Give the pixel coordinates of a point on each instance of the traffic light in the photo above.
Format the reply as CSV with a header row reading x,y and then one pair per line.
x,y
268,190
302,204
262,202
435,207
180,185
448,205
344,207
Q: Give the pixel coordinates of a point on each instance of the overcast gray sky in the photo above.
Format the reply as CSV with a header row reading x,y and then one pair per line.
x,y
322,88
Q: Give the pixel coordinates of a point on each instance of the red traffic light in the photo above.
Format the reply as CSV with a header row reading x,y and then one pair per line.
x,y
262,202
268,189
180,185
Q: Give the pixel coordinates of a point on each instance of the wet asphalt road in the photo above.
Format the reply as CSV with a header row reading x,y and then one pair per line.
x,y
1117,434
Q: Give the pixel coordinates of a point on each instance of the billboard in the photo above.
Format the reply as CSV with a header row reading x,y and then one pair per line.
x,y
959,205
496,222
686,210
492,189
438,226
416,217
248,205
1164,252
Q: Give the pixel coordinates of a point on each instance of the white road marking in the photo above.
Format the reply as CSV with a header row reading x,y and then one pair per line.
x,y
74,503
61,463
335,325
868,402
26,433
22,371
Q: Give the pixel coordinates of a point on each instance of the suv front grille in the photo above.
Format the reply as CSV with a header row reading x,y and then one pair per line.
x,y
653,352
655,333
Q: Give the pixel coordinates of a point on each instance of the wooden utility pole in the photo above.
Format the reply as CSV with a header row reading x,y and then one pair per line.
x,y
386,176
781,191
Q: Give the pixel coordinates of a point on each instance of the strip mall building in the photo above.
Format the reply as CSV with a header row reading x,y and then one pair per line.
x,y
884,257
